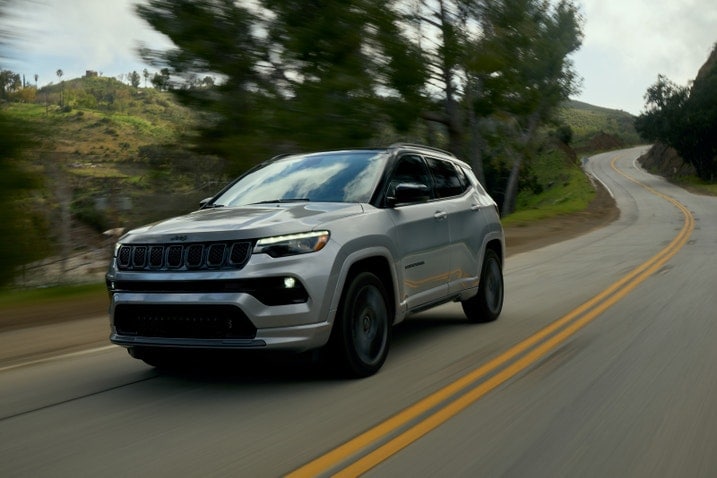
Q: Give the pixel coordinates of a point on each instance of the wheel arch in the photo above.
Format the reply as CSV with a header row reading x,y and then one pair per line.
x,y
378,262
379,266
496,245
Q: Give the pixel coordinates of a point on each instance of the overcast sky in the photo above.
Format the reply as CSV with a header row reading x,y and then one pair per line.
x,y
627,43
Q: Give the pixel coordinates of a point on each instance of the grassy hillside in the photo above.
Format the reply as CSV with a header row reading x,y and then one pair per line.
x,y
110,151
111,156
596,128
112,144
104,120
557,186
553,182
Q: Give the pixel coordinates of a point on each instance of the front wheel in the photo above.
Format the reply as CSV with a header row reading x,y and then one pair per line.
x,y
487,304
362,328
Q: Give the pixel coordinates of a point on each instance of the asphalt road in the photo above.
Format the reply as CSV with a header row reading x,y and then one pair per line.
x,y
601,365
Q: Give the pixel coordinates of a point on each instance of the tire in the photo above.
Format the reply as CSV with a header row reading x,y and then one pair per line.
x,y
487,304
362,329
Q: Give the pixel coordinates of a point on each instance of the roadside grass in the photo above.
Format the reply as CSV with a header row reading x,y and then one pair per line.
x,y
49,295
696,185
566,190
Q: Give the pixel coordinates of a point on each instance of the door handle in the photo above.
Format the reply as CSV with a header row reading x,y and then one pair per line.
x,y
440,215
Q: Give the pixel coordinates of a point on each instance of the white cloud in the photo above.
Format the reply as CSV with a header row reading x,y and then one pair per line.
x,y
79,35
628,43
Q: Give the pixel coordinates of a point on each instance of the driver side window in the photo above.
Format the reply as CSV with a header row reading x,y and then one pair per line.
x,y
409,169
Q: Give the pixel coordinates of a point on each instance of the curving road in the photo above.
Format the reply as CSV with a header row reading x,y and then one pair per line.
x,y
601,365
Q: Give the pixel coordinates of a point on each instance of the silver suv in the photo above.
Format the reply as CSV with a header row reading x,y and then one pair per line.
x,y
320,251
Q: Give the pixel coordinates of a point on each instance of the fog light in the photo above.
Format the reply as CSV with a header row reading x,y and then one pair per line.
x,y
289,282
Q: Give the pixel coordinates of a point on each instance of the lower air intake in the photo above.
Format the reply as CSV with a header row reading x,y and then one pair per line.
x,y
183,321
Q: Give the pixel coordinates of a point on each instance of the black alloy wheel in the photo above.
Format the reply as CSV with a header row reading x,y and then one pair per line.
x,y
362,328
487,304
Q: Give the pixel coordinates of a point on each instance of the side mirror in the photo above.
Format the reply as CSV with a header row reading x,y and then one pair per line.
x,y
204,202
405,193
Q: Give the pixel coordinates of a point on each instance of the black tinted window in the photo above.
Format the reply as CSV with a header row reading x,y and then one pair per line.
x,y
409,169
447,180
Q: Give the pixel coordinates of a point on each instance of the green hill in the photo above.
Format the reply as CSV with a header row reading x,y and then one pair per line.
x,y
111,151
596,128
98,116
113,156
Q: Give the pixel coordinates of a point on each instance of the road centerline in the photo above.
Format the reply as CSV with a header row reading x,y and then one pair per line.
x,y
401,430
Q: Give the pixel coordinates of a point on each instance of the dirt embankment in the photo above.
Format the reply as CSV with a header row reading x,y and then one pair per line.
x,y
601,211
665,161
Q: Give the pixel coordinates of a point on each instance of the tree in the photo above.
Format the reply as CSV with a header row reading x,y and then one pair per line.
x,y
145,74
441,31
496,64
303,76
9,83
161,80
685,118
207,82
664,106
348,70
699,142
212,36
524,70
134,79
15,182
59,74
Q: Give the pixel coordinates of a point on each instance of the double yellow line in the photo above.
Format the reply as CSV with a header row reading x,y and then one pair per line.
x,y
389,437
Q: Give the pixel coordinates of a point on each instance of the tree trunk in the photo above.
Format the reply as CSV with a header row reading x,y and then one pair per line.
x,y
475,145
511,190
455,131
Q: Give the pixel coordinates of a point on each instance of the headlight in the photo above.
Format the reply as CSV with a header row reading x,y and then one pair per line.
x,y
289,245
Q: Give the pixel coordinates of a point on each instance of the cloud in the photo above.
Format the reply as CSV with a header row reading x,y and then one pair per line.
x,y
628,43
78,35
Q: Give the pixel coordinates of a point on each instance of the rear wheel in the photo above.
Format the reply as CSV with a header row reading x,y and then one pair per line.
x,y
362,329
487,304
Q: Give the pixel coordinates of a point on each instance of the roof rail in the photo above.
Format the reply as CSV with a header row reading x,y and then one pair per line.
x,y
422,146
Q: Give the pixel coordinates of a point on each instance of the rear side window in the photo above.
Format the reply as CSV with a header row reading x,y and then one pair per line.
x,y
447,179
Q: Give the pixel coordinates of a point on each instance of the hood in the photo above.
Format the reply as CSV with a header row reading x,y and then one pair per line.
x,y
245,222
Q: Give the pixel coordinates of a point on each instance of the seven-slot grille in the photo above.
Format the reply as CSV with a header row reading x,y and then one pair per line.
x,y
194,256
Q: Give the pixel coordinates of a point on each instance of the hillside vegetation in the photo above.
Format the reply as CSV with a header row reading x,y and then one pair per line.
x,y
111,151
596,128
685,119
115,156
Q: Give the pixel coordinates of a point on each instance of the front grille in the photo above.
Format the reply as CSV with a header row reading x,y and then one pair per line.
x,y
183,321
194,256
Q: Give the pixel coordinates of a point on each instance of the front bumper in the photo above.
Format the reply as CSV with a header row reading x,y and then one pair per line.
x,y
297,339
214,321
273,304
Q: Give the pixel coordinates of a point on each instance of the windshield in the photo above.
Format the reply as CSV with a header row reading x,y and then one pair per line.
x,y
342,176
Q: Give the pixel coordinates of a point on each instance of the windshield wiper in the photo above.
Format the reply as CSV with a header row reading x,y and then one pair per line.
x,y
283,200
